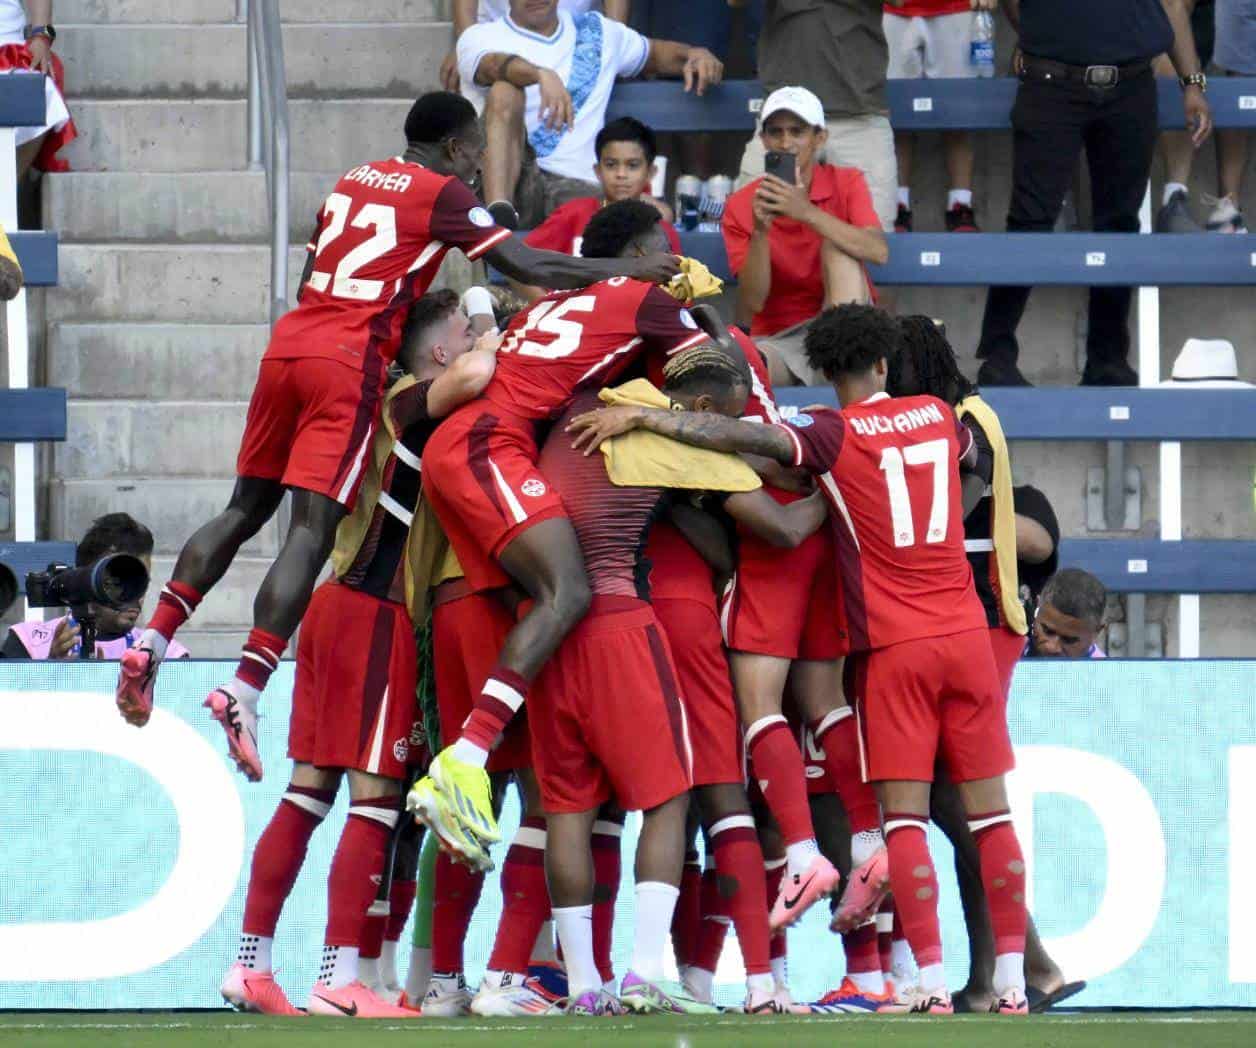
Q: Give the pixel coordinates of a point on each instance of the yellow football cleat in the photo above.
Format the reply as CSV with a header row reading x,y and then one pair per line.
x,y
431,808
469,797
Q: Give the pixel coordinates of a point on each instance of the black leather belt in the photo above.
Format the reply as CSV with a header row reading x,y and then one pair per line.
x,y
1090,75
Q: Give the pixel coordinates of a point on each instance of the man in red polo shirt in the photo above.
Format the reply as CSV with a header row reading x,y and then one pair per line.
x,y
799,248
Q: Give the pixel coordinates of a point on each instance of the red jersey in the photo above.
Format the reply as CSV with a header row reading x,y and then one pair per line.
x,y
677,570
929,8
564,229
571,339
889,469
380,238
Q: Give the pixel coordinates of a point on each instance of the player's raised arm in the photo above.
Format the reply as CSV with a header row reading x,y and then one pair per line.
x,y
699,428
551,269
787,526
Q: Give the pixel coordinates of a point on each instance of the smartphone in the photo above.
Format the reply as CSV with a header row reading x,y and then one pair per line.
x,y
782,165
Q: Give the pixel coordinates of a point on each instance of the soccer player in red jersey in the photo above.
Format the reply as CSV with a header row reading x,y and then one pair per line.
x,y
353,704
503,518
380,238
924,679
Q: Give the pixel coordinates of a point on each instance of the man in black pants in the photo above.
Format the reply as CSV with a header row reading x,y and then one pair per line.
x,y
1086,80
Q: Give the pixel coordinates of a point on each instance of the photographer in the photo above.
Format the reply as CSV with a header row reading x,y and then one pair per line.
x,y
115,627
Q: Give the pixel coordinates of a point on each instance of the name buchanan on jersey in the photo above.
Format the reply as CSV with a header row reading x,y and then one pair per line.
x,y
368,176
903,422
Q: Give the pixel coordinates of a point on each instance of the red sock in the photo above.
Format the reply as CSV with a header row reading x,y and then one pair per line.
x,y
773,874
455,892
400,903
687,917
606,876
778,768
359,859
1003,877
861,950
174,607
259,659
837,734
279,854
500,698
915,885
713,928
885,933
371,938
525,899
743,887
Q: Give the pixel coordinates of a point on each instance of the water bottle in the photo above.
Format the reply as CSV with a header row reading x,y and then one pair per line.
x,y
981,50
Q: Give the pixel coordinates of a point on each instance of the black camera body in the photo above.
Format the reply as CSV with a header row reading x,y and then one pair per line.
x,y
114,580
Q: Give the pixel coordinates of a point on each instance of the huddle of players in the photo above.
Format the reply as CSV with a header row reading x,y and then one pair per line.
x,y
630,704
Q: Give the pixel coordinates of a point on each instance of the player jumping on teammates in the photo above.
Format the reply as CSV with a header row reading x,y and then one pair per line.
x,y
924,679
380,237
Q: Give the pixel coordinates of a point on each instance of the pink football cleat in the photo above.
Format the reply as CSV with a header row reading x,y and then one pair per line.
x,y
800,891
866,888
1011,1002
355,1001
136,677
248,990
928,1002
239,720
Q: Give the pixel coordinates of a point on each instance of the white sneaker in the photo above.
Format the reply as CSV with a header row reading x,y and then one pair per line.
x,y
1225,217
447,997
765,1002
513,998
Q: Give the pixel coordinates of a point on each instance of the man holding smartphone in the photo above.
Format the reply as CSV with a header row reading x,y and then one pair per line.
x,y
798,238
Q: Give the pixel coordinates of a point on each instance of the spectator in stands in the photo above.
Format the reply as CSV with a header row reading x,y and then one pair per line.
x,y
543,80
115,628
837,48
26,39
626,151
1070,617
1086,80
11,278
931,39
1234,54
798,249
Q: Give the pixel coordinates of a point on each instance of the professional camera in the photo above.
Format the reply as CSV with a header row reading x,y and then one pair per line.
x,y
114,580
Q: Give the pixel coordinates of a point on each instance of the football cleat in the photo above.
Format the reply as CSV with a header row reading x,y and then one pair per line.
x,y
1011,1002
800,892
355,1001
433,810
551,975
759,1002
248,990
470,796
137,674
404,1002
866,889
900,994
238,718
446,1001
847,999
595,1002
927,1002
512,998
648,998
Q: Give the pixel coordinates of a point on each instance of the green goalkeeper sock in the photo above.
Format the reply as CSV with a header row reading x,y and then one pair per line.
x,y
420,972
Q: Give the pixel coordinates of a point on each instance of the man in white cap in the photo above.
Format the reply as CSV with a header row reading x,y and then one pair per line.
x,y
1207,363
798,237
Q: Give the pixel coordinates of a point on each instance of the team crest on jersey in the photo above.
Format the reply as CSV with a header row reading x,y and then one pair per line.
x,y
401,750
533,488
801,420
418,737
478,216
686,318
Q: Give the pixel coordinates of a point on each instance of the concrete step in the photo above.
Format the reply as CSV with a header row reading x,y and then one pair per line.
x,y
176,207
171,508
227,607
206,362
140,438
210,61
209,134
147,12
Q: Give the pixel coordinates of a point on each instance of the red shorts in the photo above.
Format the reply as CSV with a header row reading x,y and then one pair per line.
x,y
310,425
786,602
607,720
929,699
354,704
1007,647
467,635
481,479
693,634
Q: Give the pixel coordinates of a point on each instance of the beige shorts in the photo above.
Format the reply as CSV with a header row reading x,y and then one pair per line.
x,y
788,347
538,192
932,48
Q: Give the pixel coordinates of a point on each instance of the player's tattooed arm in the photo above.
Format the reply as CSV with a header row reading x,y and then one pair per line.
x,y
785,526
702,429
552,269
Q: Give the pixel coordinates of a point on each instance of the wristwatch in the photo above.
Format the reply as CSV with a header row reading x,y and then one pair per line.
x,y
33,31
1198,80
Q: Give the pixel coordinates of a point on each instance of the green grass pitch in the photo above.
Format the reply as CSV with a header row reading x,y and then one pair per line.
x,y
227,1030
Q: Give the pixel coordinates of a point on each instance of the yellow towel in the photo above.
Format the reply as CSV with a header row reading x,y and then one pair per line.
x,y
694,281
646,460
6,251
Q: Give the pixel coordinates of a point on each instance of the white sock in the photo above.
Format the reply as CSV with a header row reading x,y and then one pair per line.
x,y
901,959
761,983
700,983
963,197
575,933
543,951
467,751
339,967
867,982
609,987
255,952
656,902
368,973
780,971
446,982
1170,188
932,977
155,642
798,856
864,845
904,197
1009,973
246,695
388,964
419,974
